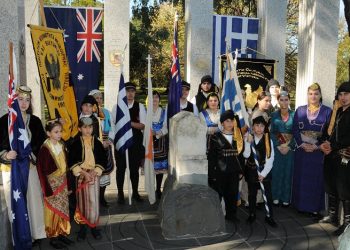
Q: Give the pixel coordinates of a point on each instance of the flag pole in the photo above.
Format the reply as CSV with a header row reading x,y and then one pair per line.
x,y
11,59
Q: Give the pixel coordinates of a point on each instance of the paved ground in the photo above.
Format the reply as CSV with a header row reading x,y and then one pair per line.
x,y
137,227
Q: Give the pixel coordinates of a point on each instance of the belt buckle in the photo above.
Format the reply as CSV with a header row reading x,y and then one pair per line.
x,y
344,161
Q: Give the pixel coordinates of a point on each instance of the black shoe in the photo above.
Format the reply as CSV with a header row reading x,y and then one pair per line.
x,y
285,204
96,233
121,199
251,218
271,221
232,218
65,240
82,233
55,243
158,194
36,242
339,231
316,216
137,197
103,202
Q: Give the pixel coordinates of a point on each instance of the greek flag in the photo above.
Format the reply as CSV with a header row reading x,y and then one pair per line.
x,y
231,92
237,33
123,136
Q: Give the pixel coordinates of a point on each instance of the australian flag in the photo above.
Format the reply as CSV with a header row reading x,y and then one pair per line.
x,y
175,89
19,142
237,33
83,40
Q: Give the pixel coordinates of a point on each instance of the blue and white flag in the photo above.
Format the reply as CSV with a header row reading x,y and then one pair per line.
x,y
83,40
239,33
123,136
232,97
19,142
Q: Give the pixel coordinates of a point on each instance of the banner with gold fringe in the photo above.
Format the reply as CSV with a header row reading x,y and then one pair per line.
x,y
53,68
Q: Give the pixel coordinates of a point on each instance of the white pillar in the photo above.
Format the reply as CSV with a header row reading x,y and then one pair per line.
x,y
31,16
272,33
116,37
199,38
317,48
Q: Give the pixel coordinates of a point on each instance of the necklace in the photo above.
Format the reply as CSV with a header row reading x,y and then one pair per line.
x,y
312,115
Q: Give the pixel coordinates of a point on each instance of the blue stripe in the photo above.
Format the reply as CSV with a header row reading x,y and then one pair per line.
x,y
223,35
214,59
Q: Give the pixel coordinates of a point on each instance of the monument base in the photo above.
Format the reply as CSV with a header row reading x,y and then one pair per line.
x,y
190,210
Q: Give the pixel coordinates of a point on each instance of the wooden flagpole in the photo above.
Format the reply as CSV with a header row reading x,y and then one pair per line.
x,y
11,58
42,13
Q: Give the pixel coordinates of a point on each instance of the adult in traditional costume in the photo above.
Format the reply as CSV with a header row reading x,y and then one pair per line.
x,y
207,86
37,136
105,123
160,141
258,167
337,160
52,169
87,160
282,137
224,162
310,122
137,150
184,104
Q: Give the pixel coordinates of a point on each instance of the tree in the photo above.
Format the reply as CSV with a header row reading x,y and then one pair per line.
x,y
246,8
343,55
347,17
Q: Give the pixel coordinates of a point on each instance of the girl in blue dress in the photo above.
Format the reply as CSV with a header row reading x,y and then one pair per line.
x,y
281,135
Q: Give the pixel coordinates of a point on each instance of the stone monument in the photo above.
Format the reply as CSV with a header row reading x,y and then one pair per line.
x,y
317,48
272,33
186,189
199,39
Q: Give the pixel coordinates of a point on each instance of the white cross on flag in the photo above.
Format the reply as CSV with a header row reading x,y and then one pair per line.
x,y
239,33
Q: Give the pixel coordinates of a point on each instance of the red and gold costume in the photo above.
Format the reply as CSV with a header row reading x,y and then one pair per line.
x,y
52,170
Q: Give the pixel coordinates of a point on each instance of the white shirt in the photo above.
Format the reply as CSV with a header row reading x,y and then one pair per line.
x,y
268,161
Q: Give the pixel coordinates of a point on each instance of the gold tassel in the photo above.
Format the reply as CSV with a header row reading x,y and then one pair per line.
x,y
267,145
334,113
237,136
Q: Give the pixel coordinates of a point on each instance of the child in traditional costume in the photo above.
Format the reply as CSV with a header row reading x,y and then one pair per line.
x,y
258,167
87,160
52,170
224,162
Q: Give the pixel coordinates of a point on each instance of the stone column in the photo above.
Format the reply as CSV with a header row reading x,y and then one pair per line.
x,y
10,27
199,38
31,16
317,52
116,37
272,33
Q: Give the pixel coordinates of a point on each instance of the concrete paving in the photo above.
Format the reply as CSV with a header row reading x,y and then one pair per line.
x,y
138,227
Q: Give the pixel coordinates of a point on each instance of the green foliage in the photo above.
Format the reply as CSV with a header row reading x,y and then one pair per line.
x,y
90,3
151,32
245,8
343,56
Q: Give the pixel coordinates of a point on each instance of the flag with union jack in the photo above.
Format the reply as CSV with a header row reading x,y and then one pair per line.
x,y
175,90
19,142
83,40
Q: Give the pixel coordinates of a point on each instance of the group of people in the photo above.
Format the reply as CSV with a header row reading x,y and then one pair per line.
x,y
292,157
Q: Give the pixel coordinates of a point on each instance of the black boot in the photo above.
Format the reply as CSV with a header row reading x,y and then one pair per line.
x,y
333,208
121,199
346,207
103,201
82,233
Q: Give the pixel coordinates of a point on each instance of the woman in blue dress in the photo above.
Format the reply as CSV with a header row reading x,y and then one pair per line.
x,y
310,121
281,135
160,141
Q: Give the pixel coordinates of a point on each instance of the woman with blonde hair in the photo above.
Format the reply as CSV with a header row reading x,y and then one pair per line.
x,y
310,122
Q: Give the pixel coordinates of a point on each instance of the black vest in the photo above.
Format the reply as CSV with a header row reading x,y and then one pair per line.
x,y
189,107
200,100
135,117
